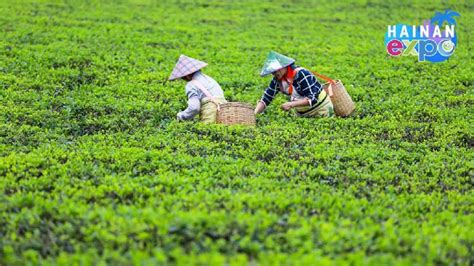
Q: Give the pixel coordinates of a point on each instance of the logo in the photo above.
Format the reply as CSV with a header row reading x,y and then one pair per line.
x,y
434,41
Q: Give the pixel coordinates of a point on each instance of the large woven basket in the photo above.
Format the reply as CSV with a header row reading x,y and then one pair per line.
x,y
341,100
236,113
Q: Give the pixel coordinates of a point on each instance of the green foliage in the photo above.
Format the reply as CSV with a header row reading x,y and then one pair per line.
x,y
95,170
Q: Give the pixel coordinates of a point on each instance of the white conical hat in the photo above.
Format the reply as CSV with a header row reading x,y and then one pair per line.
x,y
185,66
274,62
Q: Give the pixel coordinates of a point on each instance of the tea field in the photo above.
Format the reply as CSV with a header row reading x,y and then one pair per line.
x,y
95,169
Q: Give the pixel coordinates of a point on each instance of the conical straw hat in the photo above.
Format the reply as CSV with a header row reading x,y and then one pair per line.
x,y
274,62
185,66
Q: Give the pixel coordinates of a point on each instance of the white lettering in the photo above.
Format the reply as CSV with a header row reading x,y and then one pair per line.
x,y
392,31
404,32
424,31
436,32
449,31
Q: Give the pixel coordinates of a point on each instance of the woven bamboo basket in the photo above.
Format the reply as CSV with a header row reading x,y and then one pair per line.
x,y
341,100
236,113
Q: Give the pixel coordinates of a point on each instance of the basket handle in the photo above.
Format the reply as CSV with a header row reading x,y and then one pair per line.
x,y
207,93
330,80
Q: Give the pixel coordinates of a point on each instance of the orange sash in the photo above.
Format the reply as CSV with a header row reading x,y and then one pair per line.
x,y
289,77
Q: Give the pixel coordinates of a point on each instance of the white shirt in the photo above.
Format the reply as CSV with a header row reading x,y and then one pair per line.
x,y
195,95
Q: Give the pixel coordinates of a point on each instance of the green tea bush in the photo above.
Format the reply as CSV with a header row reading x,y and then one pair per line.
x,y
94,169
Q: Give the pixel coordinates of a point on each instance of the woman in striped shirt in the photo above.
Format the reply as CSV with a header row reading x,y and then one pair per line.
x,y
306,94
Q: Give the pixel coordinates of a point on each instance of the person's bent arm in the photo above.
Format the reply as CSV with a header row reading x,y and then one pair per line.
x,y
267,97
260,107
299,103
194,106
288,105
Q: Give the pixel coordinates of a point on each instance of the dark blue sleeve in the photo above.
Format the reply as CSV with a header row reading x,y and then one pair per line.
x,y
308,86
270,92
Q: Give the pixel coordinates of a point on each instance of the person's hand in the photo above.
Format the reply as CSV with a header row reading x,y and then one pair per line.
x,y
287,106
178,117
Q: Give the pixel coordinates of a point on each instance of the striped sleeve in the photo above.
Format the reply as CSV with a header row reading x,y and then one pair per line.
x,y
270,92
308,86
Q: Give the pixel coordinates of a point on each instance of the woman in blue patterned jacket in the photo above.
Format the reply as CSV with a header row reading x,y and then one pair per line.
x,y
306,94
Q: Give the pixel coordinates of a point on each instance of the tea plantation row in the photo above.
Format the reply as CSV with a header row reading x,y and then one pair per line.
x,y
94,169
